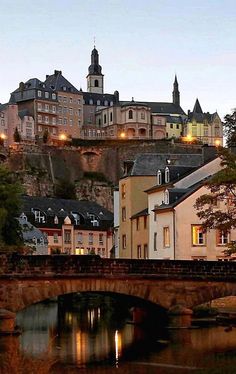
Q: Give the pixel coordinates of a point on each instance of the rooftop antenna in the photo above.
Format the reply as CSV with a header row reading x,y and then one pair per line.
x,y
94,41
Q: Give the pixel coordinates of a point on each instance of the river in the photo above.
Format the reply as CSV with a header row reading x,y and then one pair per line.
x,y
95,336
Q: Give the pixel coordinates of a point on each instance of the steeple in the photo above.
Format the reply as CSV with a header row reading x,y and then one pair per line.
x,y
175,93
95,76
197,107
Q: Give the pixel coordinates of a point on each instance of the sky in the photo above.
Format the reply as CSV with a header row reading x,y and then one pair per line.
x,y
141,45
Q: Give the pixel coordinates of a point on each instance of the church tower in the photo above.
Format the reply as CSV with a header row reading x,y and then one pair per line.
x,y
175,93
95,76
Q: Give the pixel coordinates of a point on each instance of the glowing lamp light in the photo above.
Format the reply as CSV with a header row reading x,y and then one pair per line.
x,y
62,137
217,142
189,138
3,136
122,135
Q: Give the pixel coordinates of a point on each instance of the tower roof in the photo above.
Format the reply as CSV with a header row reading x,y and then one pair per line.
x,y
197,108
95,68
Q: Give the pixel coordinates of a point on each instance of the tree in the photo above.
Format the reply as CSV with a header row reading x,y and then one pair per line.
x,y
230,128
10,191
65,190
222,188
45,136
16,136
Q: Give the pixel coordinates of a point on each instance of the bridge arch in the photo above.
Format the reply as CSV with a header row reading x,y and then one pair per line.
x,y
166,294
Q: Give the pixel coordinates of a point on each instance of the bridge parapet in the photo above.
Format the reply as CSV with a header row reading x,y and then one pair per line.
x,y
71,266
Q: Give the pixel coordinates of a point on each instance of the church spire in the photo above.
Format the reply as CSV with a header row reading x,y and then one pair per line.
x,y
176,93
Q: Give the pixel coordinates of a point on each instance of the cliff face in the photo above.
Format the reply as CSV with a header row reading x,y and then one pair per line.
x,y
94,169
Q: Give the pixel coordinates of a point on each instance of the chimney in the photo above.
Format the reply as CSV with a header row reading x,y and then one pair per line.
x,y
57,72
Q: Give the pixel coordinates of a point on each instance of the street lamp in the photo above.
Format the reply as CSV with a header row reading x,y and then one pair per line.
x,y
217,142
2,138
122,135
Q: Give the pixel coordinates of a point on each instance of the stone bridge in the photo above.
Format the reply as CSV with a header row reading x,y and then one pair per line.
x,y
25,280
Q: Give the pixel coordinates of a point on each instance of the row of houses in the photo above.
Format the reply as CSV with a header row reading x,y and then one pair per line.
x,y
157,216
56,106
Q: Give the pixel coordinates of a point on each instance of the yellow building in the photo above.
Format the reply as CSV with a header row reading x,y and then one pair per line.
x,y
139,234
204,127
133,200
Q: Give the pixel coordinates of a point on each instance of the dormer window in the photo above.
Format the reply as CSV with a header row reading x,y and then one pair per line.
x,y
98,102
159,177
167,174
91,102
39,217
56,220
106,103
23,217
166,197
76,217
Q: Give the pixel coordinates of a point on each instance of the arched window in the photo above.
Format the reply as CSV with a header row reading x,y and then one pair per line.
x,y
159,178
96,83
130,114
167,174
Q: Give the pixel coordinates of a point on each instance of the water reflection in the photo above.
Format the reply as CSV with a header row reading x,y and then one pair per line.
x,y
94,337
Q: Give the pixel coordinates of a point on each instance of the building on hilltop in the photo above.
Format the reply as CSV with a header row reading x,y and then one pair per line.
x,y
70,105
10,119
60,108
205,127
71,226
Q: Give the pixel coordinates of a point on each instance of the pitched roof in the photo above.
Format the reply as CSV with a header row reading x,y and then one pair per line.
x,y
160,107
197,107
142,213
149,163
57,82
87,96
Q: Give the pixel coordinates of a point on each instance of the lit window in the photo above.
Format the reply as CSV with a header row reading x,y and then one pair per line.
x,y
198,235
166,236
123,191
123,212
222,237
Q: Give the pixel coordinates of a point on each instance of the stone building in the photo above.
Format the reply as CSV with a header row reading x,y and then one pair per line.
x,y
70,105
10,119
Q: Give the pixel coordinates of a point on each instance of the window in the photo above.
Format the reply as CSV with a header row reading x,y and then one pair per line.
x,y
155,216
222,237
65,99
39,118
91,102
60,121
171,125
111,117
106,103
123,214
54,96
101,238
39,106
159,178
96,83
177,126
39,216
167,175
54,120
65,110
98,102
53,109
71,111
142,115
105,118
59,98
166,236
123,191
139,251
145,222
79,112
46,95
155,241
166,197
71,122
67,236
137,224
123,241
65,121
111,103
90,240
39,93
80,237
71,100
198,235
46,108
130,114
55,237
46,119
145,251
